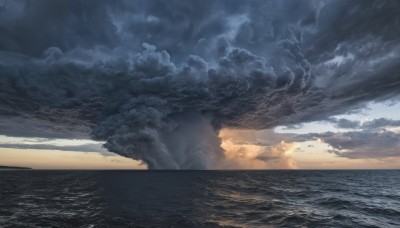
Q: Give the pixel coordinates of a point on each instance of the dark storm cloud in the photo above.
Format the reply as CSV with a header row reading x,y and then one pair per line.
x,y
158,79
27,126
91,147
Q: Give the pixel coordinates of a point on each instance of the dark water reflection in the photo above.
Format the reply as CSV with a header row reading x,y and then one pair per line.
x,y
200,198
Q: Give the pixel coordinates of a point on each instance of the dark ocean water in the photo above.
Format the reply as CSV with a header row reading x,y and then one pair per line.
x,y
200,198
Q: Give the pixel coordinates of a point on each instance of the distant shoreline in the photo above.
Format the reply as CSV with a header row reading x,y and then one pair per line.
x,y
12,167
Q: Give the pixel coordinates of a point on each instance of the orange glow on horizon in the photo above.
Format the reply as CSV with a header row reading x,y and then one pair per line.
x,y
53,159
243,153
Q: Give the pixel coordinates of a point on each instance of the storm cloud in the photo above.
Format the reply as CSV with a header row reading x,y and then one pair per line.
x,y
92,147
158,80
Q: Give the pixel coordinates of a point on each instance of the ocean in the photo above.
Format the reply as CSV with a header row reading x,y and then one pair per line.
x,y
358,198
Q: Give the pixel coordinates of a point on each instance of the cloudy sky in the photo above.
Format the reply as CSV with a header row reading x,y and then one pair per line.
x,y
204,84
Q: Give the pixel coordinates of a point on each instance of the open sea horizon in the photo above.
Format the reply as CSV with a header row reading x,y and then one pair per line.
x,y
213,198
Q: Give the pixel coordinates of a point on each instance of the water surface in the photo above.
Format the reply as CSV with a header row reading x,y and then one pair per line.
x,y
30,198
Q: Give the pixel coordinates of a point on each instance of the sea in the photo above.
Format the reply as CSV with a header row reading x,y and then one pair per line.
x,y
346,198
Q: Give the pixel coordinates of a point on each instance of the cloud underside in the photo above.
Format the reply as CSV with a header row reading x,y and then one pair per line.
x,y
92,147
158,80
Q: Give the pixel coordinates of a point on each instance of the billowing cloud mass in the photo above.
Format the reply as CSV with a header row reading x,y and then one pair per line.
x,y
158,80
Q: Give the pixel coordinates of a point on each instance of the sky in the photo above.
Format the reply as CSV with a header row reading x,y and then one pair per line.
x,y
200,84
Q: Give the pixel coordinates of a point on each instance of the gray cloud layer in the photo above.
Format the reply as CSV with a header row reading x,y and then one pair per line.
x,y
354,145
92,147
158,79
366,125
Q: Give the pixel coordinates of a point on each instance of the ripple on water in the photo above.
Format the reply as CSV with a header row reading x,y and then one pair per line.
x,y
200,199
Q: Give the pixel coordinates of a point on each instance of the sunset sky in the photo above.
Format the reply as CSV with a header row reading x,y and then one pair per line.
x,y
188,85
311,154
